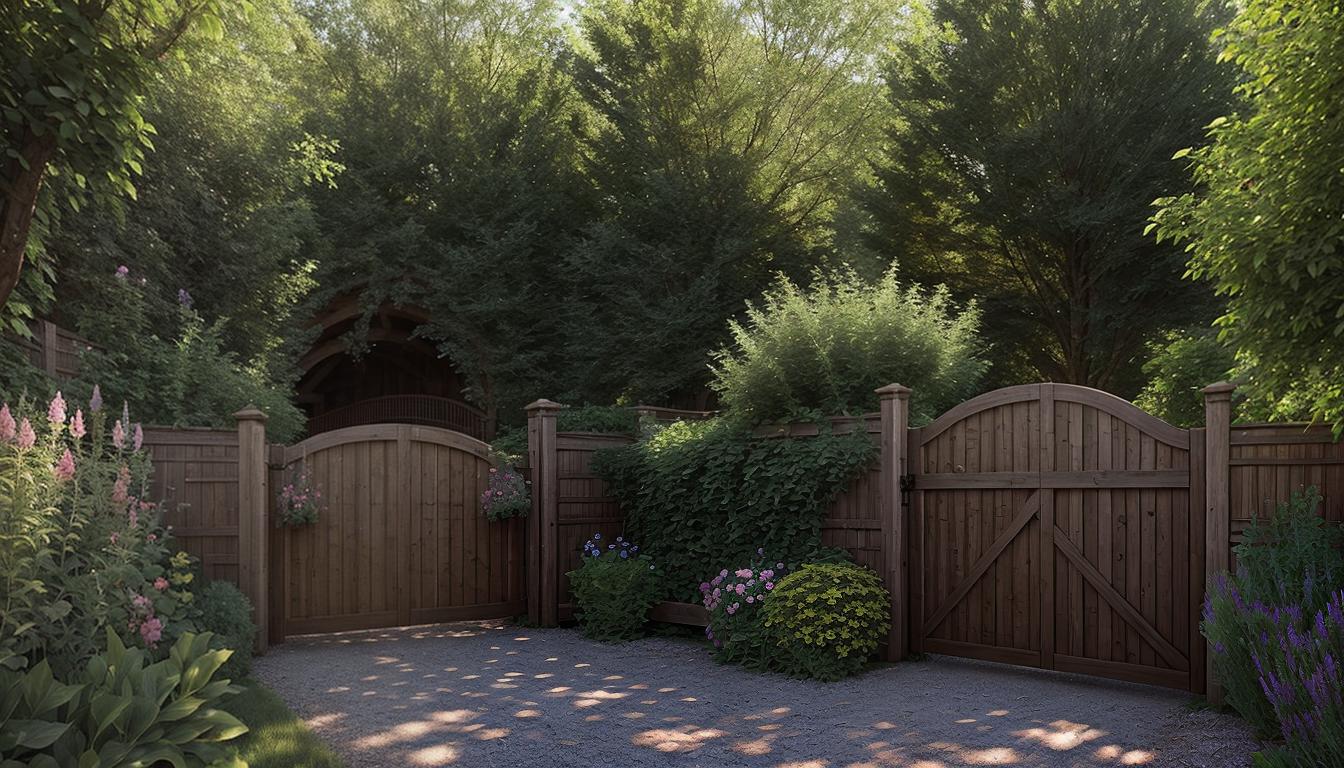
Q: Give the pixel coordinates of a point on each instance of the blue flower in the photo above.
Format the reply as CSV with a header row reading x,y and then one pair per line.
x,y
597,537
611,546
624,554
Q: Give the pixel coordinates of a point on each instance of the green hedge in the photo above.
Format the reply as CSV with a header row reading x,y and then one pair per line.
x,y
701,494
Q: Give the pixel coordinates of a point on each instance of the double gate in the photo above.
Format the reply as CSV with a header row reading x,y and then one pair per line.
x,y
400,538
1060,527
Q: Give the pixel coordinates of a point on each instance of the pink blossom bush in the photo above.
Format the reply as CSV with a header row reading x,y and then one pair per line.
x,y
733,599
507,494
81,539
300,501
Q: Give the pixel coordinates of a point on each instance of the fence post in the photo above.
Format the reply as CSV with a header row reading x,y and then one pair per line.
x,y
253,558
50,340
1218,512
895,416
543,597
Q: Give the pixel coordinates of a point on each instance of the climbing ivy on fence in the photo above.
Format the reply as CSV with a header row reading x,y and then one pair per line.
x,y
703,496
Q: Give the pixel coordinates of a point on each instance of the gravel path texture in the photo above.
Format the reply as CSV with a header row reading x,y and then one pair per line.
x,y
490,694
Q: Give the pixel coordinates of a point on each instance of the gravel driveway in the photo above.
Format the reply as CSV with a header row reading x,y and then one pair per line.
x,y
488,694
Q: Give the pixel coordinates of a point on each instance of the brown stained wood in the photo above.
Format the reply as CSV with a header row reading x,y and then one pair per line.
x,y
1075,556
1108,478
1001,542
691,614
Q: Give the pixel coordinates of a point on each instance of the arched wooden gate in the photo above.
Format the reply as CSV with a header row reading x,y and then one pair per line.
x,y
400,540
1060,527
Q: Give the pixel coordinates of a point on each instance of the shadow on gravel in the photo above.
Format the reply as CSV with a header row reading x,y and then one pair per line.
x,y
489,694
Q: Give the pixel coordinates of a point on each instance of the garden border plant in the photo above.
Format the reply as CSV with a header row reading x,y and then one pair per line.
x,y
707,493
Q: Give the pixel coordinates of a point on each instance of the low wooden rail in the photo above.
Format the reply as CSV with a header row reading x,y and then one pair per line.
x,y
424,410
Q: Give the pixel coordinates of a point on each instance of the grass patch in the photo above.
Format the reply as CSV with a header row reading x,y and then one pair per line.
x,y
276,738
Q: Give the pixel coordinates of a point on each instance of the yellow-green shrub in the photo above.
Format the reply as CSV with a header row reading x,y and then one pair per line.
x,y
828,619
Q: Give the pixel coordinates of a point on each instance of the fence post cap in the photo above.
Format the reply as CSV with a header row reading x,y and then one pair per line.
x,y
250,413
1219,390
892,390
542,406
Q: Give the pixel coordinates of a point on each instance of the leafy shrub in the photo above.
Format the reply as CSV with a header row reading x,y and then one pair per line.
x,y
124,711
185,377
1285,563
597,418
507,495
826,349
614,588
80,549
1180,366
828,619
226,613
734,600
1300,666
709,491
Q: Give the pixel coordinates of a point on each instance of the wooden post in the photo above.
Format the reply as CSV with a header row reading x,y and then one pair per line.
x,y
253,558
1218,512
895,416
50,339
543,596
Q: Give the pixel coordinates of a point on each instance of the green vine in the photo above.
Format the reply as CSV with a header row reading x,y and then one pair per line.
x,y
704,495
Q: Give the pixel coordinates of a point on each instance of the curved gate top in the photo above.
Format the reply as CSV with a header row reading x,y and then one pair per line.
x,y
400,539
1052,526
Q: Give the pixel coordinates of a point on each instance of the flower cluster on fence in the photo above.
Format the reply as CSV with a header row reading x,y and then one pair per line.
x,y
507,494
732,599
300,500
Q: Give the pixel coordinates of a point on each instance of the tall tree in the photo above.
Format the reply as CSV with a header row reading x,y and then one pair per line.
x,y
725,134
461,190
1031,138
72,76
1266,225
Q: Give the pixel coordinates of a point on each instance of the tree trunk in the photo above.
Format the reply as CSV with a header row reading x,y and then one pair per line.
x,y
17,207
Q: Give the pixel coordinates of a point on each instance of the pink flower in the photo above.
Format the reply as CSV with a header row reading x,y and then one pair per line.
x,y
160,583
77,426
96,402
744,573
151,630
122,488
750,599
7,426
27,437
113,538
141,602
741,588
65,468
139,438
133,517
118,436
151,538
56,411
123,272
769,585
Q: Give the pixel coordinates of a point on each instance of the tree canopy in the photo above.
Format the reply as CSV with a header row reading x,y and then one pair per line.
x,y
1265,224
1028,141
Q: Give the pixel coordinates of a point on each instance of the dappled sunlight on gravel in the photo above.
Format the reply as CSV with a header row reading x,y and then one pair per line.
x,y
485,694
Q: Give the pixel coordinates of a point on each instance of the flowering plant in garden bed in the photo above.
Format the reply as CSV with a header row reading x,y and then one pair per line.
x,y
614,587
733,599
300,500
1299,663
1286,564
507,496
80,548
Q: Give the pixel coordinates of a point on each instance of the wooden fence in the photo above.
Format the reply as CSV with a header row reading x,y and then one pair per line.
x,y
1047,525
53,349
1044,524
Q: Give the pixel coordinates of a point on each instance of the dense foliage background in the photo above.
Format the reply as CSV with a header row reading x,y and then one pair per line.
x,y
585,197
